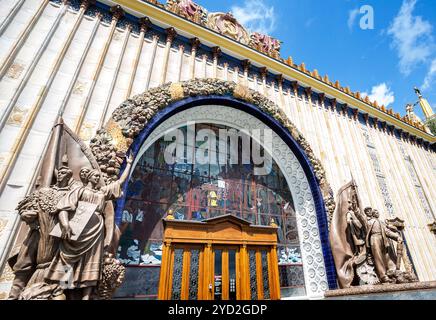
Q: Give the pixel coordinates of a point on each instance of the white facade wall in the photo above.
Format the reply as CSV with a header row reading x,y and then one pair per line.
x,y
103,64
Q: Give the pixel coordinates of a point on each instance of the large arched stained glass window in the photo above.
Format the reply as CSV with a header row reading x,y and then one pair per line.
x,y
189,189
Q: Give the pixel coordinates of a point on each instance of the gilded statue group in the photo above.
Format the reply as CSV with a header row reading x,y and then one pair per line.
x,y
367,250
66,253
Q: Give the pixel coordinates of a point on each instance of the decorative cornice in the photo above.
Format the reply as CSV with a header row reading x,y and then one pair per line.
x,y
384,289
280,80
308,91
263,72
216,52
355,114
334,104
321,98
171,34
86,3
246,65
144,24
117,12
294,85
195,44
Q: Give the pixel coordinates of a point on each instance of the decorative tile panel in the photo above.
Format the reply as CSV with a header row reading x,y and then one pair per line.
x,y
265,276
177,275
15,70
253,276
3,224
381,179
193,274
79,87
18,115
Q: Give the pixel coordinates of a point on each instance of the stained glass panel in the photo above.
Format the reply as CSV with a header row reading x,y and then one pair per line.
x,y
140,283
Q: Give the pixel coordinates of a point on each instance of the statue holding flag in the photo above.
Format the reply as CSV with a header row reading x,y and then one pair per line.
x,y
83,253
362,244
68,226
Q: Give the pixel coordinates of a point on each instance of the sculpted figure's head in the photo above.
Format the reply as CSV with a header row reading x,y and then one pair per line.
x,y
94,177
375,213
368,212
84,175
63,175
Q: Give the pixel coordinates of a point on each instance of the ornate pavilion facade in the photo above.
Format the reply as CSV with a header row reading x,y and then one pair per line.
x,y
122,73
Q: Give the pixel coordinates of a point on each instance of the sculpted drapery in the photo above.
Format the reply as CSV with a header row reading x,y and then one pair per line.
x,y
85,254
362,244
344,229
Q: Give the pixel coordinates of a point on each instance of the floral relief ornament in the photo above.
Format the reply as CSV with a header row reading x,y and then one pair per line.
x,y
265,44
17,116
188,9
227,25
15,70
3,223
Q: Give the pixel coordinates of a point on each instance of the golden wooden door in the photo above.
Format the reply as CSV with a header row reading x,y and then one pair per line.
x,y
183,268
223,258
262,273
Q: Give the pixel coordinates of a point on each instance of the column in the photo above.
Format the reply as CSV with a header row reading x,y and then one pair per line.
x,y
29,71
117,14
21,39
216,55
171,34
144,25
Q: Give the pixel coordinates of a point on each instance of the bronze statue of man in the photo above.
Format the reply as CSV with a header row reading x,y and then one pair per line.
x,y
377,241
39,248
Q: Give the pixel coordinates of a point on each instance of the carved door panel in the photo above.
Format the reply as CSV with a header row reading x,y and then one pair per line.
x,y
260,273
185,272
226,273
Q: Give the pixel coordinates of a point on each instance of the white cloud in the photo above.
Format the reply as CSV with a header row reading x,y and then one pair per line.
x,y
256,15
431,75
382,94
352,15
309,22
412,37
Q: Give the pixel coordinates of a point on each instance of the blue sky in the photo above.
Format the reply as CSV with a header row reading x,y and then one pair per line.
x,y
385,62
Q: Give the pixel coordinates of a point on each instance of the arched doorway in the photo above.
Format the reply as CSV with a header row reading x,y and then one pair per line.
x,y
295,203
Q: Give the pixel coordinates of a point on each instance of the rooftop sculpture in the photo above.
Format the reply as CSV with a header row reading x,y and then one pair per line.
x,y
227,25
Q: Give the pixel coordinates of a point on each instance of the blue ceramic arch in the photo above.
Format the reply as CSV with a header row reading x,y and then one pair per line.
x,y
230,101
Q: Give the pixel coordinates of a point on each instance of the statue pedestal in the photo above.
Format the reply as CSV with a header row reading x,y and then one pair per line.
x,y
406,291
